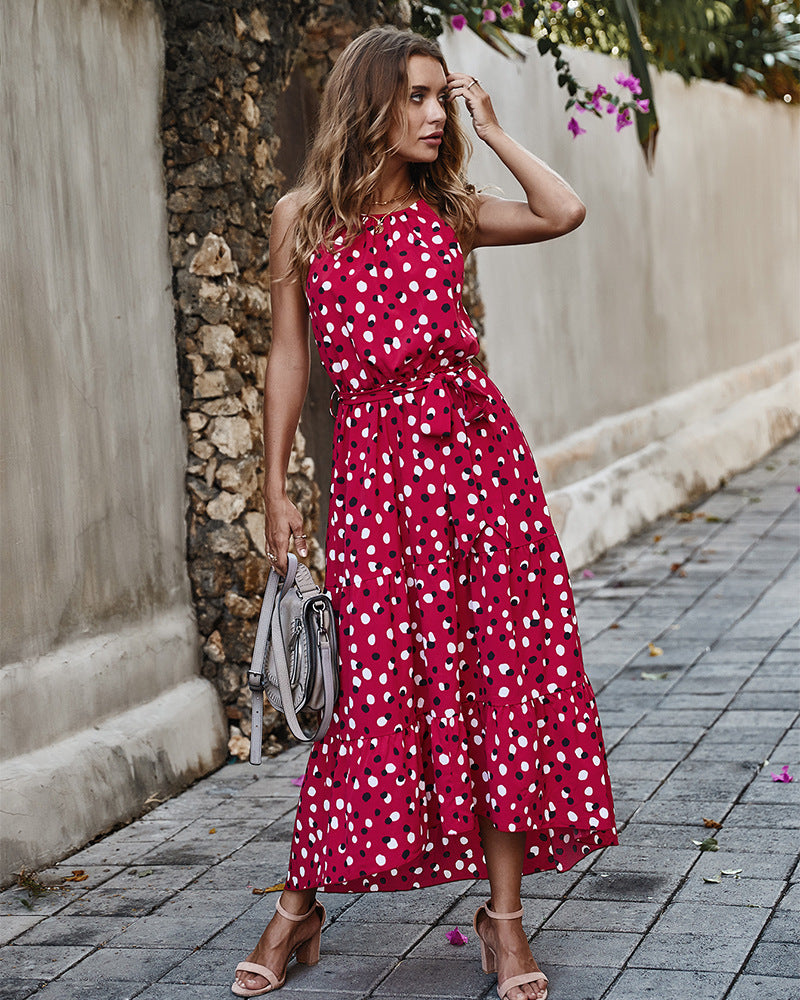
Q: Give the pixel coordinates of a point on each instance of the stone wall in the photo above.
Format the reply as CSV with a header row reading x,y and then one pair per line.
x,y
228,157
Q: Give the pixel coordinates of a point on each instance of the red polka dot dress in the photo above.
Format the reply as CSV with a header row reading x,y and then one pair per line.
x,y
462,686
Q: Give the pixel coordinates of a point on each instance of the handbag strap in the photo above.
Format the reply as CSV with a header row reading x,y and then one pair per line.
x,y
255,676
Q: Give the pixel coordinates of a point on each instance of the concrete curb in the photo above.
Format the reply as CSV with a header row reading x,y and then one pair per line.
x,y
61,796
604,508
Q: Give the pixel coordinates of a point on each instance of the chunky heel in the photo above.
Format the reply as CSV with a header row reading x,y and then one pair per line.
x,y
488,959
308,952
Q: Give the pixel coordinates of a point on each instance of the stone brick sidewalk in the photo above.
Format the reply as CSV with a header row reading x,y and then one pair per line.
x,y
694,732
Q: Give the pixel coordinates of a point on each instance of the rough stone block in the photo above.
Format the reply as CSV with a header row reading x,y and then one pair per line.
x,y
603,915
658,984
757,987
703,952
422,978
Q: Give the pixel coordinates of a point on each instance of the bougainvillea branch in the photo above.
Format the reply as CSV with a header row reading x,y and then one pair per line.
x,y
493,21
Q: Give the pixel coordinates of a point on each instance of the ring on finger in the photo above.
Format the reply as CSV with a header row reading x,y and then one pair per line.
x,y
474,81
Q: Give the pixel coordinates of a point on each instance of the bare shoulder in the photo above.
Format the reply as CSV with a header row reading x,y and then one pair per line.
x,y
286,212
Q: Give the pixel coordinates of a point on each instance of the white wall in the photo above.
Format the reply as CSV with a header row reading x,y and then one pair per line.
x,y
685,282
95,619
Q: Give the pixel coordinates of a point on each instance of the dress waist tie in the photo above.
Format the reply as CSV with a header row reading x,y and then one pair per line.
x,y
438,395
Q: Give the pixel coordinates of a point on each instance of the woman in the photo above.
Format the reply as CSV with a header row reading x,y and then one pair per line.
x,y
465,742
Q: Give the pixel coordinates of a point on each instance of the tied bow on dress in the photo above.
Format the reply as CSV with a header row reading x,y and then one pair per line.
x,y
440,394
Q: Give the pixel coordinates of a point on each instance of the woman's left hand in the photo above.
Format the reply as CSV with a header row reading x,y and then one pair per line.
x,y
478,102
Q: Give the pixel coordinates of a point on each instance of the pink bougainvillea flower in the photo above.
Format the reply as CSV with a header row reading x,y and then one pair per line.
x,y
489,15
630,83
643,104
575,128
458,21
555,6
797,489
456,937
599,91
611,108
506,11
297,781
784,775
623,119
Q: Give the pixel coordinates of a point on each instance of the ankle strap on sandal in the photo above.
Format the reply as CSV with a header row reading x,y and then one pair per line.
x,y
296,917
504,916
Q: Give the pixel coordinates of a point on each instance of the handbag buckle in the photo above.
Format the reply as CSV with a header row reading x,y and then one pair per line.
x,y
255,680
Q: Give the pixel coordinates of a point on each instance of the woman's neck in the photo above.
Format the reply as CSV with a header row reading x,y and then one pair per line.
x,y
394,188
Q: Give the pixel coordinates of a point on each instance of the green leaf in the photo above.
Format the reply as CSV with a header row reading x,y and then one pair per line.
x,y
496,38
646,124
543,45
709,844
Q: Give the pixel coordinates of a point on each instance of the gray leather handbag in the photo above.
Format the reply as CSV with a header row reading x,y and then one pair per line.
x,y
295,660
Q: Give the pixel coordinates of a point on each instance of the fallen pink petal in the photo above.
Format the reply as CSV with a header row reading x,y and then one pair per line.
x,y
456,937
297,781
784,775
458,21
588,574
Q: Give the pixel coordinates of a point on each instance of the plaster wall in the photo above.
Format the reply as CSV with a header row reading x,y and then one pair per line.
x,y
675,301
95,613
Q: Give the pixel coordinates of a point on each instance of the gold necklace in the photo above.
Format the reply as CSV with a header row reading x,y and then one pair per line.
x,y
380,219
401,197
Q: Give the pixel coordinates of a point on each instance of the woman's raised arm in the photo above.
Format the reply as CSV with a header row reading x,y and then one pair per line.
x,y
285,386
552,207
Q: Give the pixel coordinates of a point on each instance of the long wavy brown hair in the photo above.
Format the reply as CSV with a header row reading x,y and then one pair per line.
x,y
363,98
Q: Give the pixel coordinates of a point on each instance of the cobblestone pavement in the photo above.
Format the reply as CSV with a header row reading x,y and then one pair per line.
x,y
695,733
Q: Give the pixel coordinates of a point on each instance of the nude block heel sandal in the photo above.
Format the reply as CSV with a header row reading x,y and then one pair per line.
x,y
489,958
307,953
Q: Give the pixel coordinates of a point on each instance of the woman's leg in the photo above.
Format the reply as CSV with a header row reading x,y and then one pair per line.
x,y
505,854
280,937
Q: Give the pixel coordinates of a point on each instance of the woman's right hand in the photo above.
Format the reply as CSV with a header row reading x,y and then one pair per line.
x,y
283,522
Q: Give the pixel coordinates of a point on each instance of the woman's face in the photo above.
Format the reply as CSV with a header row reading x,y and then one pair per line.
x,y
423,111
